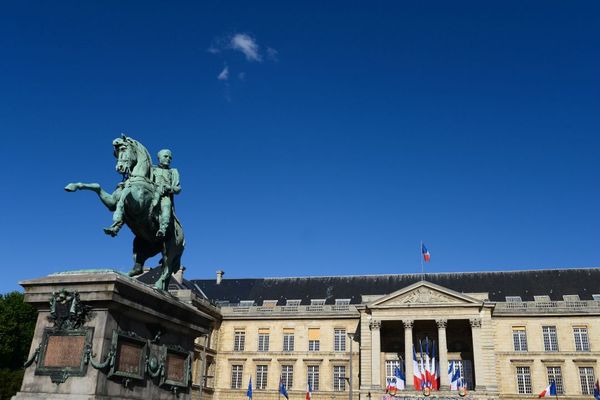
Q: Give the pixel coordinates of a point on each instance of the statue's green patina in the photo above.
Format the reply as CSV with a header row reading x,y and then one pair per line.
x,y
144,201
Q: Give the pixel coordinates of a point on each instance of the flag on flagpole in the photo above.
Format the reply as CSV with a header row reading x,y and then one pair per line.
x,y
434,371
455,381
422,367
451,374
249,391
308,392
401,378
427,362
597,390
549,391
416,371
282,389
425,252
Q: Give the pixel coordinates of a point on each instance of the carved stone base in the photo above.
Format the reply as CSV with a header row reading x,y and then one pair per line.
x,y
135,342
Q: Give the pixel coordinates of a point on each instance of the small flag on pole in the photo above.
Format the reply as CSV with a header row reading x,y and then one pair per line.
x,y
249,392
549,391
597,390
308,392
425,252
282,389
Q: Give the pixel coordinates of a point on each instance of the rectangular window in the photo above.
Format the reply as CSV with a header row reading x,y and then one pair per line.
x,y
390,367
586,377
314,339
523,380
550,338
339,339
261,376
288,339
596,297
465,369
239,341
555,375
571,297
582,341
519,338
236,376
263,339
339,378
313,377
287,376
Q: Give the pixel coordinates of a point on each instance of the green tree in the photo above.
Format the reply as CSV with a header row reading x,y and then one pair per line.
x,y
17,322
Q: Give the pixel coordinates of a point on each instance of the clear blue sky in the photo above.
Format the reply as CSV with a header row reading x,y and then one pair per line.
x,y
312,137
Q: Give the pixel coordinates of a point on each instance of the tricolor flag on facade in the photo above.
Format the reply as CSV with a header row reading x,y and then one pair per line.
x,y
427,362
549,391
434,370
282,389
425,252
308,392
597,390
416,371
400,378
249,391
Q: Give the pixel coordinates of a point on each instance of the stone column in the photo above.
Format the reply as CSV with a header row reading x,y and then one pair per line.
x,y
477,351
443,356
375,327
408,352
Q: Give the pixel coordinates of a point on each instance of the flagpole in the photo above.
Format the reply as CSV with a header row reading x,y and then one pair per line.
x,y
422,268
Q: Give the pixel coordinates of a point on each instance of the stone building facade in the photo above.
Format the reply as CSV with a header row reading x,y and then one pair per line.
x,y
509,333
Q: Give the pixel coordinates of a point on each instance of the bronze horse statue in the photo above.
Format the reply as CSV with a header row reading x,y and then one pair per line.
x,y
133,199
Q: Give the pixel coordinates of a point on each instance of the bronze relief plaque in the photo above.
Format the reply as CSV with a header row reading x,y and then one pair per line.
x,y
178,365
130,357
64,351
175,368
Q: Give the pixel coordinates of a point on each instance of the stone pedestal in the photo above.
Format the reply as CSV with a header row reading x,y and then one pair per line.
x,y
103,335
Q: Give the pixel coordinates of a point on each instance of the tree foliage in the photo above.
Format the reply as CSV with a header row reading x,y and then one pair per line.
x,y
17,322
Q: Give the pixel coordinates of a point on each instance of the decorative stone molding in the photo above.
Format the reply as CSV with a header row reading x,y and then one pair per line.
x,y
475,322
408,323
375,324
423,295
441,323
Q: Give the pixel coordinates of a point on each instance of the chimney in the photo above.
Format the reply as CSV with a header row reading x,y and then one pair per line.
x,y
220,274
179,275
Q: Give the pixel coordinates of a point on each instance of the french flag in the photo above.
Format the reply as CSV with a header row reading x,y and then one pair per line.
x,y
416,371
597,390
308,392
425,252
549,391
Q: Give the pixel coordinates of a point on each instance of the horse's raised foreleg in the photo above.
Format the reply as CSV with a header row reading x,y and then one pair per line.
x,y
108,199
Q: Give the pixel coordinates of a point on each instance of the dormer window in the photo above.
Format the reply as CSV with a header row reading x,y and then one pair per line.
x,y
542,299
292,303
513,299
571,297
317,302
269,303
246,303
342,302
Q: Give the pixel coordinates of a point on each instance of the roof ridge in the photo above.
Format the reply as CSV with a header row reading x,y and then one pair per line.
x,y
411,274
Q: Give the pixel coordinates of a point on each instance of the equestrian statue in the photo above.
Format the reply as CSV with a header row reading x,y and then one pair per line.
x,y
144,202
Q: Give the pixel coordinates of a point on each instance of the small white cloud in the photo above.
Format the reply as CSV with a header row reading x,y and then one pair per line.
x,y
247,45
224,75
272,54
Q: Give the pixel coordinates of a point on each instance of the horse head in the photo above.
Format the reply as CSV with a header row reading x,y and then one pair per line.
x,y
132,158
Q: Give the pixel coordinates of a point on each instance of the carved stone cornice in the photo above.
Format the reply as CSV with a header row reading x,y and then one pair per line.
x,y
408,323
441,323
375,325
475,322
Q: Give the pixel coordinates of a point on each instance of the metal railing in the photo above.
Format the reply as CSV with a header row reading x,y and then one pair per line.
x,y
548,307
301,309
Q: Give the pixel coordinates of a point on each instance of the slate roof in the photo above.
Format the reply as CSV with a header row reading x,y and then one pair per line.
x,y
552,282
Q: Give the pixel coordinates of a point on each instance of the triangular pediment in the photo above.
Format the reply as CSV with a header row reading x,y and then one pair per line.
x,y
424,294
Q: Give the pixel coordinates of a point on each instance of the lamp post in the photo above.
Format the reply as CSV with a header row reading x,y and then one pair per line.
x,y
351,336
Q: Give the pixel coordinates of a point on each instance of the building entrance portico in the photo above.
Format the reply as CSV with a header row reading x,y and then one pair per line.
x,y
410,323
